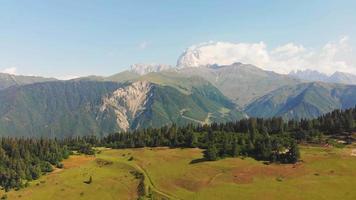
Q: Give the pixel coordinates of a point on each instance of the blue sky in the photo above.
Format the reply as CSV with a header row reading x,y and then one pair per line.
x,y
65,37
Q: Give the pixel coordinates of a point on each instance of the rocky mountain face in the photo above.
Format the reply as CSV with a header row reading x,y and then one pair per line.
x,y
127,102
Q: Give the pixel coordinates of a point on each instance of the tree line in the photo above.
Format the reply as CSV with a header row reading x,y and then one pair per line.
x,y
271,139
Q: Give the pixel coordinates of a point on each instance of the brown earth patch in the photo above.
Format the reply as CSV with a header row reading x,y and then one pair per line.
x,y
196,180
77,161
189,184
281,171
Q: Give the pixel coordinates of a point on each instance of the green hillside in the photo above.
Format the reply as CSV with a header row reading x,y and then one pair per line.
x,y
306,100
203,105
54,109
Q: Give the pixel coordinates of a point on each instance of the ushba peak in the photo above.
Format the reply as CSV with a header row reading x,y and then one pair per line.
x,y
221,53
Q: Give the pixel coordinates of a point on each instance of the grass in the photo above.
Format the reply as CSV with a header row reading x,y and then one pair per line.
x,y
108,182
324,173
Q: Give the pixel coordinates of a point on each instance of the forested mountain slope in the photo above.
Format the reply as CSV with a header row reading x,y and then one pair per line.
x,y
70,108
306,100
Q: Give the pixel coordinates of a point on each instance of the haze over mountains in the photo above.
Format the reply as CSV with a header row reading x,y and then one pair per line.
x,y
197,91
8,80
313,75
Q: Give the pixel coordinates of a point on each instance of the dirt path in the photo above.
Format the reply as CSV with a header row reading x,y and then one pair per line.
x,y
206,121
214,177
152,185
148,181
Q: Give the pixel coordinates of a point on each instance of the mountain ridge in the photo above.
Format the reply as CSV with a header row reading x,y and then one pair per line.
x,y
8,80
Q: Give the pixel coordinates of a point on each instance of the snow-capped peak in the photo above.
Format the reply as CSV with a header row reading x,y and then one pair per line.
x,y
142,69
222,53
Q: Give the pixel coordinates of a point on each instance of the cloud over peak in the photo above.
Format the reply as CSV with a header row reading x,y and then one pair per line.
x,y
10,70
331,57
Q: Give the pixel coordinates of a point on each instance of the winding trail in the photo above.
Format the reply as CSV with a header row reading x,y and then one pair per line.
x,y
148,181
214,177
206,120
152,185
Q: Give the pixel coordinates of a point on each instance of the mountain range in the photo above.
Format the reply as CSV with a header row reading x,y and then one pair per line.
x,y
313,75
81,107
156,95
306,100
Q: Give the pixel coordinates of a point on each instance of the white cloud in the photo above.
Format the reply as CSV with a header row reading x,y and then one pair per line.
x,y
143,45
224,53
331,57
289,49
10,70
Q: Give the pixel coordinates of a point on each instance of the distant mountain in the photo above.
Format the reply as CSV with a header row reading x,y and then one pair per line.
x,y
242,83
123,76
215,53
71,108
135,71
312,75
341,77
306,100
143,69
309,75
261,93
8,80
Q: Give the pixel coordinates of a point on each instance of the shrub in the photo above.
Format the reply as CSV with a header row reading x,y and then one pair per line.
x,y
59,165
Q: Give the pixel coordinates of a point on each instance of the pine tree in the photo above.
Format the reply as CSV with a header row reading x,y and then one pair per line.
x,y
293,154
235,149
192,140
211,153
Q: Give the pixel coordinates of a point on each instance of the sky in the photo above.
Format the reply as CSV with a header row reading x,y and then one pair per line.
x,y
67,38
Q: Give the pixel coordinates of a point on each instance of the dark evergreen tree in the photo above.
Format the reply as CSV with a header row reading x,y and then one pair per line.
x,y
235,149
211,152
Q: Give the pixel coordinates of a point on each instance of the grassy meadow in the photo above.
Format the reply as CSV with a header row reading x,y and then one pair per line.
x,y
323,173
